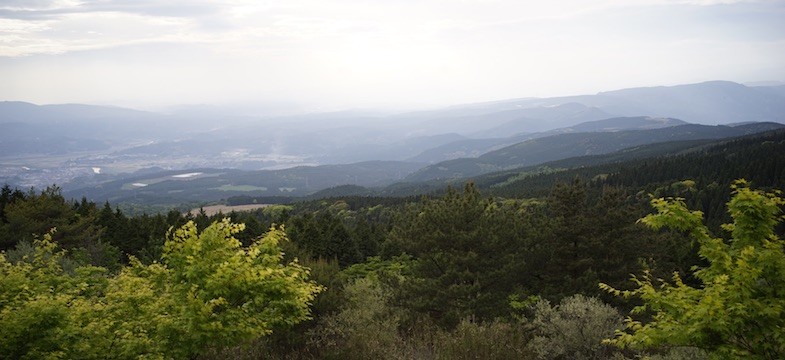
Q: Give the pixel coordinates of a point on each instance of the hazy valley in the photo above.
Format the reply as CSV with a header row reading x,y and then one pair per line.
x,y
122,155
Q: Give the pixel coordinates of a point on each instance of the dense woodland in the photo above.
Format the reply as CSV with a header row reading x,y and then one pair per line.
x,y
474,271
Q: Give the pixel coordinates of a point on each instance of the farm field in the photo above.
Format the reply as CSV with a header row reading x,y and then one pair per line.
x,y
215,209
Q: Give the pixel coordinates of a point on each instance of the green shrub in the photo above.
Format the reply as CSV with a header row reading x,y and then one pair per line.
x,y
367,328
491,340
738,311
574,329
209,291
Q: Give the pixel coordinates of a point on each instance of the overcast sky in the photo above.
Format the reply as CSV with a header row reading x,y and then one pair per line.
x,y
362,53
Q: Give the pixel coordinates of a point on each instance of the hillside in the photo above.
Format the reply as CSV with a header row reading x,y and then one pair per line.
x,y
711,102
537,151
713,167
468,148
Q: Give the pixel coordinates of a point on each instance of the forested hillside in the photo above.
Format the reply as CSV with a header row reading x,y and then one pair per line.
x,y
562,146
514,258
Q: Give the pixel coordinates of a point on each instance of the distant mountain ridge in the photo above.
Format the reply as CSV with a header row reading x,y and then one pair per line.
x,y
709,162
711,102
537,119
537,180
561,146
476,147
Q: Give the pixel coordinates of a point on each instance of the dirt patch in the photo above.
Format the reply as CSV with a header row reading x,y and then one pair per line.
x,y
226,209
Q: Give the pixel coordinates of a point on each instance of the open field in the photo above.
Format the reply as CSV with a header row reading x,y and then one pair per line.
x,y
241,188
214,209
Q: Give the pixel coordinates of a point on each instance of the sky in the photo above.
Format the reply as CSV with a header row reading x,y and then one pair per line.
x,y
338,54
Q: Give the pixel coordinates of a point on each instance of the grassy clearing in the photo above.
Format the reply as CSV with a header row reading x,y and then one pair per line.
x,y
241,188
214,209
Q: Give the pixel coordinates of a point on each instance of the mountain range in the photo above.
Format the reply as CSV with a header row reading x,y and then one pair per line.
x,y
96,151
566,145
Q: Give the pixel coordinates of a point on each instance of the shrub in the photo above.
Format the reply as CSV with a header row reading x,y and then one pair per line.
x,y
574,329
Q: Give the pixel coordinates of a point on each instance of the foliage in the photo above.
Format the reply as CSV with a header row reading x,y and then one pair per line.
x,y
467,256
490,340
367,327
574,329
649,167
26,215
324,235
375,267
583,238
41,305
739,311
371,326
208,291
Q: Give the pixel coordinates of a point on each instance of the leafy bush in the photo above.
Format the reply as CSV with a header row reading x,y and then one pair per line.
x,y
739,311
490,340
367,328
574,329
208,292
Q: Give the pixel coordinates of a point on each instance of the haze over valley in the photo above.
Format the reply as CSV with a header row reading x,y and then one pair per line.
x,y
90,150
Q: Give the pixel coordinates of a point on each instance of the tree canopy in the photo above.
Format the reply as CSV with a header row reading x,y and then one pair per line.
x,y
738,311
208,291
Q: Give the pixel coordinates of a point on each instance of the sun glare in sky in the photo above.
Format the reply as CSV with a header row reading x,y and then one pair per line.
x,y
360,53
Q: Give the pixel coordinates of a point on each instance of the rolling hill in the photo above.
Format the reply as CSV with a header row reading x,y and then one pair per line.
x,y
467,148
550,148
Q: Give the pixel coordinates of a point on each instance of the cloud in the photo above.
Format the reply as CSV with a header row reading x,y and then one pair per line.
x,y
58,26
333,50
40,9
83,31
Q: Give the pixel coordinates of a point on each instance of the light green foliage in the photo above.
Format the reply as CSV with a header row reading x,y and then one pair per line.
x,y
574,329
739,312
367,328
371,326
276,211
41,305
209,291
374,267
367,325
488,341
678,353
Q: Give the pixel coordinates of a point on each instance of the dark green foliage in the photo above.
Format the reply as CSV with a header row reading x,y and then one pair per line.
x,y
350,230
34,214
562,146
713,168
324,236
489,340
467,257
580,238
7,197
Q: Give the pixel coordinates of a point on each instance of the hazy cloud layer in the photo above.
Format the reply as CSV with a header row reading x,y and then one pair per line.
x,y
359,52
